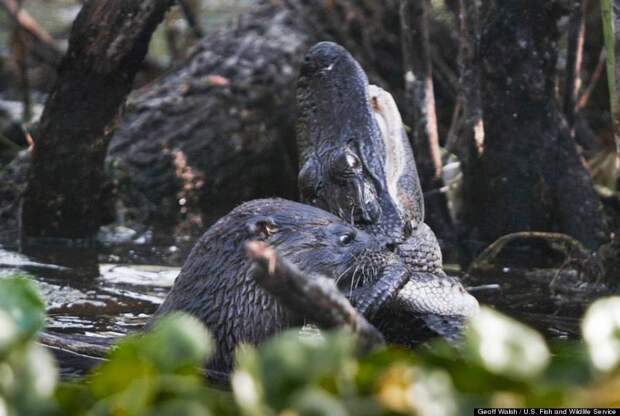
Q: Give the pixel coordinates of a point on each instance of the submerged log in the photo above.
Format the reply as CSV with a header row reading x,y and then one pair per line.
x,y
220,129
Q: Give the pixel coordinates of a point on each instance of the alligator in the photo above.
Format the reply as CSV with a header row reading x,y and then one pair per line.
x,y
356,162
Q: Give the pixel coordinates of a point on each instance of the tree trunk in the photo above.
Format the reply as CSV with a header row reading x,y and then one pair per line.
x,y
421,114
108,42
530,175
470,136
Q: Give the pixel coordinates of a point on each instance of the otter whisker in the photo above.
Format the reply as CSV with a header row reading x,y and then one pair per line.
x,y
367,274
372,275
354,263
341,275
359,277
353,279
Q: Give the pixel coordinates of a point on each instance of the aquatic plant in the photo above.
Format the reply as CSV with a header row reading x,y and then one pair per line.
x,y
501,363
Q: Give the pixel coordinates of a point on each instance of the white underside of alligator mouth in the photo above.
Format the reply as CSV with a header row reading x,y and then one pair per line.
x,y
392,130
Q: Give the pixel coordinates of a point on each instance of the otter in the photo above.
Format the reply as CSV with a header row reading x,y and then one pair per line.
x,y
216,284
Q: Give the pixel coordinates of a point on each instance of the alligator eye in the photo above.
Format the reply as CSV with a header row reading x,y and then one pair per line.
x,y
347,238
353,161
345,163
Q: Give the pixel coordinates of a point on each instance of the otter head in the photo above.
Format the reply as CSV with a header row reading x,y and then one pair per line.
x,y
216,283
317,241
350,165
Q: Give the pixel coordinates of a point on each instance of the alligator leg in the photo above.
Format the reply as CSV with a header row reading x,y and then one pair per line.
x,y
369,300
439,300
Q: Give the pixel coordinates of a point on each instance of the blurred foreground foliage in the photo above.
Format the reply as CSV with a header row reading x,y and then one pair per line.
x,y
501,363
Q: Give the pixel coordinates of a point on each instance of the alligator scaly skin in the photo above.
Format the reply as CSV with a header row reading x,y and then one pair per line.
x,y
356,161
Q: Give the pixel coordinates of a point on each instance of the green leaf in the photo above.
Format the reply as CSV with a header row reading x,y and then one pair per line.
x,y
287,364
179,407
20,301
601,332
9,334
177,344
176,341
317,402
33,376
504,346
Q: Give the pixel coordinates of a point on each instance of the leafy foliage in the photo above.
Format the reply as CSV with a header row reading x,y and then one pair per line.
x,y
501,363
27,371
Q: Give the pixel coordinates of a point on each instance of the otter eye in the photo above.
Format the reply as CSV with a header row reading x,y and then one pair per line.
x,y
347,238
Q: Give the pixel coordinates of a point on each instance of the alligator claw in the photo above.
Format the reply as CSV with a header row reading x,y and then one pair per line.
x,y
369,300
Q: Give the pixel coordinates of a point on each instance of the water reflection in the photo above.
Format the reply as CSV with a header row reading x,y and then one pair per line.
x,y
87,294
112,289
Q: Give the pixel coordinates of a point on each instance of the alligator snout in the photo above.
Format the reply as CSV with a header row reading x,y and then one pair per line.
x,y
323,57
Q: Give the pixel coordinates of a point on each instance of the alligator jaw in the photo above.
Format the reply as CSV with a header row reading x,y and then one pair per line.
x,y
400,170
341,118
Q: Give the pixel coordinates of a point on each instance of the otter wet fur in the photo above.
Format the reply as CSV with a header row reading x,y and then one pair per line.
x,y
216,284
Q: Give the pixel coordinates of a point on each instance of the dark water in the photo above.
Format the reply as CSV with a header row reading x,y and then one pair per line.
x,y
112,289
526,296
104,291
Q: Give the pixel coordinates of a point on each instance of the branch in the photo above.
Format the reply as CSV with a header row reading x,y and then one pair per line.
x,y
43,48
576,35
488,256
596,75
419,84
312,296
190,17
75,345
470,81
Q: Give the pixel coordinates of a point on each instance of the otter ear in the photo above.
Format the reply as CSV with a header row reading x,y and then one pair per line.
x,y
262,227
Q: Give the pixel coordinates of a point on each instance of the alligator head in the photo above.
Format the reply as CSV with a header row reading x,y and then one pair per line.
x,y
348,165
356,162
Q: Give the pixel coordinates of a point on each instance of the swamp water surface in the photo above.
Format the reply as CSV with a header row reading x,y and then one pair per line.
x,y
113,289
107,291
